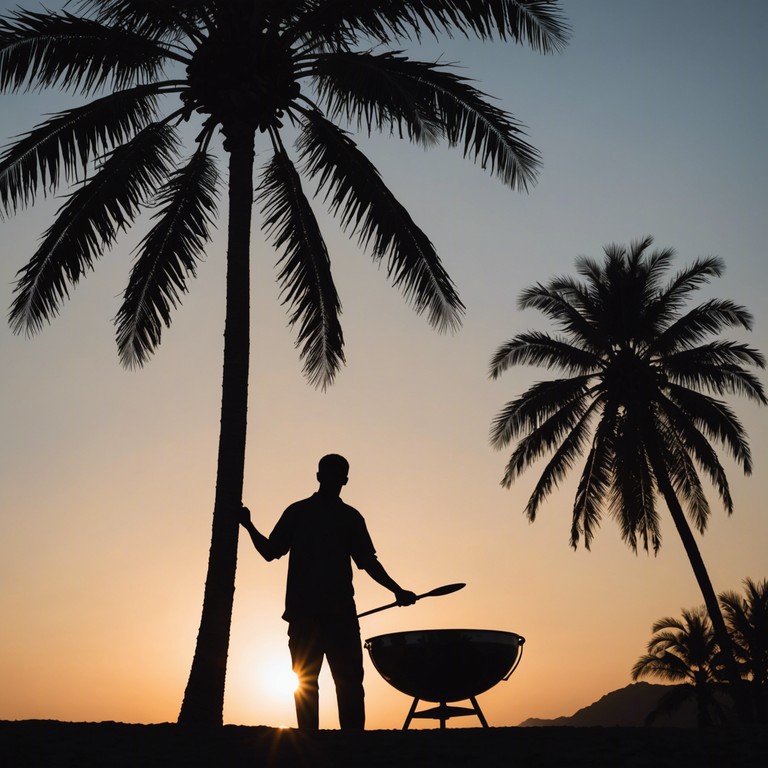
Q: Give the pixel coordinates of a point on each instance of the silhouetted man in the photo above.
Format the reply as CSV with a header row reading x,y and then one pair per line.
x,y
324,535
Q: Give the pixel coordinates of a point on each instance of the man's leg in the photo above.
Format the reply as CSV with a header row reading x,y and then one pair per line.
x,y
306,649
345,658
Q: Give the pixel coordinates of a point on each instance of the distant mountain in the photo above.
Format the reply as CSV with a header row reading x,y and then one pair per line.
x,y
626,707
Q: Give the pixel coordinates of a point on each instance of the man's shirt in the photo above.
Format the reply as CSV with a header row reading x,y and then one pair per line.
x,y
323,535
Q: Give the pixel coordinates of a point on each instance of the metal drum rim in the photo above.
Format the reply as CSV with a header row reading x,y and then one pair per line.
x,y
490,633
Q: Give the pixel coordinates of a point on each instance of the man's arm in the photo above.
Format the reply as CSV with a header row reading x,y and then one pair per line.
x,y
376,571
263,545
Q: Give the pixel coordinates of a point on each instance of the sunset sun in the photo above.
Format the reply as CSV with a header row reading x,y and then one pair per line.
x,y
277,679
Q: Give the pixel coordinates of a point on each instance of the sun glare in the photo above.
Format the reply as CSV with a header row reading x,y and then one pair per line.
x,y
278,679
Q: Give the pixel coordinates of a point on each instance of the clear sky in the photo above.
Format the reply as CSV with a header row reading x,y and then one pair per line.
x,y
652,121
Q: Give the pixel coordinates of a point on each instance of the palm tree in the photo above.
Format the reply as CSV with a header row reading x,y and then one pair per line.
x,y
747,621
286,72
683,652
641,397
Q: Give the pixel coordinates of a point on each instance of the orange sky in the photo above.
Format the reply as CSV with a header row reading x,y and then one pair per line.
x,y
107,476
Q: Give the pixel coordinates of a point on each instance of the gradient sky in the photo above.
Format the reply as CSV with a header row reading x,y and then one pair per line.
x,y
652,121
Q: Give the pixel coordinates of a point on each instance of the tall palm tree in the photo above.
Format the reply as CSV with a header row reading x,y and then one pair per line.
x,y
684,652
747,620
286,73
642,398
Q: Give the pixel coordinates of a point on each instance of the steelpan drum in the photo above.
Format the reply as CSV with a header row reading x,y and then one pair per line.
x,y
444,665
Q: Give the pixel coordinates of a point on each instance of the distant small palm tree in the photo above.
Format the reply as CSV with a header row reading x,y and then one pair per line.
x,y
683,652
642,399
747,619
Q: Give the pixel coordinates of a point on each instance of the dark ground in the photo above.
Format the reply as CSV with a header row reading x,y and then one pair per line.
x,y
53,744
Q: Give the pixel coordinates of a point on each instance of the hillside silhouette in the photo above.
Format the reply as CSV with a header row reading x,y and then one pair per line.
x,y
627,706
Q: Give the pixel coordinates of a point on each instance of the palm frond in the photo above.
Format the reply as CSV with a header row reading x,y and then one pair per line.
x,y
684,434
696,412
538,23
168,21
651,267
588,267
367,207
632,497
594,483
747,619
739,626
699,323
60,50
167,256
687,483
87,224
488,135
661,626
664,666
542,350
425,101
558,304
305,275
563,460
672,298
656,262
60,149
717,367
541,401
370,92
547,436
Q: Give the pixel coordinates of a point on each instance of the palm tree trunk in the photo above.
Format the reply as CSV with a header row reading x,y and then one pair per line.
x,y
722,637
203,702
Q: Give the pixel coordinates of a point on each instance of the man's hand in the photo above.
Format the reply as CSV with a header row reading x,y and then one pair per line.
x,y
244,515
405,597
263,545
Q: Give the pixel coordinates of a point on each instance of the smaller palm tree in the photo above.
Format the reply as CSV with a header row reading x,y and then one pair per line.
x,y
747,620
684,652
643,377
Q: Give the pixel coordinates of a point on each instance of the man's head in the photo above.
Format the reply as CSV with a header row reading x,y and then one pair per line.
x,y
332,472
